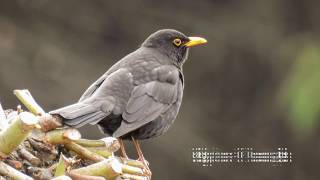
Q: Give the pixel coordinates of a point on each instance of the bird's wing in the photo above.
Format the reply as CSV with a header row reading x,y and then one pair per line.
x,y
107,99
148,101
92,88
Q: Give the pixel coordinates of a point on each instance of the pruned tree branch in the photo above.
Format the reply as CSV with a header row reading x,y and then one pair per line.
x,y
32,143
7,170
108,168
16,132
26,98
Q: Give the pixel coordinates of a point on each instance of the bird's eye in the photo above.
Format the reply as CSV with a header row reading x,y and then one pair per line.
x,y
177,42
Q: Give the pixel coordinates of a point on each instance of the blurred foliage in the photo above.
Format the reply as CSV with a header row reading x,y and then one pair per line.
x,y
304,89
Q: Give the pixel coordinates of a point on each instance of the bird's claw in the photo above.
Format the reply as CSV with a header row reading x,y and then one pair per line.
x,y
144,161
124,160
146,170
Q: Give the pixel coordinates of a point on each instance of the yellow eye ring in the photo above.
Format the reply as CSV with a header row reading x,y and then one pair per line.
x,y
177,42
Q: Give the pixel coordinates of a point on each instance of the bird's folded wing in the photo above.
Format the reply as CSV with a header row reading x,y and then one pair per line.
x,y
104,101
93,87
147,102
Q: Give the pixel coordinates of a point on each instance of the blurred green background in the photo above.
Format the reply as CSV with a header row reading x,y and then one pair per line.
x,y
255,84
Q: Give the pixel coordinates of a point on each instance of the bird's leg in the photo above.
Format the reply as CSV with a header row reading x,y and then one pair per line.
x,y
123,151
141,157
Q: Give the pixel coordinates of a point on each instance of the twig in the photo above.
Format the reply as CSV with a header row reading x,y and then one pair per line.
x,y
83,152
131,162
28,156
132,170
104,147
75,176
132,177
7,170
17,132
14,163
62,178
39,173
41,146
112,144
108,168
26,98
49,122
46,121
61,136
102,151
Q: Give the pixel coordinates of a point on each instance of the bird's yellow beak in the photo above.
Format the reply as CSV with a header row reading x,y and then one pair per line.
x,y
194,41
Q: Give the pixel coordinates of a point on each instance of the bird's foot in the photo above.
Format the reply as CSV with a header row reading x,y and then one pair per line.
x,y
143,160
146,169
122,150
124,160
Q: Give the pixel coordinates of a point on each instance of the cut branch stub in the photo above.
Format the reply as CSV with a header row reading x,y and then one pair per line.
x,y
108,168
85,177
49,122
9,171
132,170
61,136
62,178
110,143
131,177
28,156
102,151
131,162
83,152
26,98
17,132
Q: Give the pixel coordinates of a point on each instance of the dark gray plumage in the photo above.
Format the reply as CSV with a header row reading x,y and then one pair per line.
x,y
138,96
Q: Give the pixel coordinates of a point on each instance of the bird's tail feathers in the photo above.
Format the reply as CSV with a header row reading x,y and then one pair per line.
x,y
80,114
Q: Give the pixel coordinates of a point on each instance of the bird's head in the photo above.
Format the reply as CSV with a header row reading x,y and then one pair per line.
x,y
173,43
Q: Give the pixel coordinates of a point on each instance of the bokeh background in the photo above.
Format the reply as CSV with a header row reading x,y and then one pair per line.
x,y
255,84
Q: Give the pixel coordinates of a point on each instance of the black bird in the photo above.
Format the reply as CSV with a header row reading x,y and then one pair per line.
x,y
139,96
